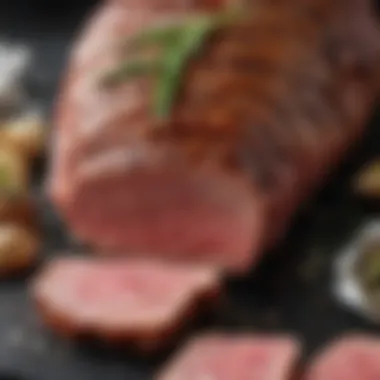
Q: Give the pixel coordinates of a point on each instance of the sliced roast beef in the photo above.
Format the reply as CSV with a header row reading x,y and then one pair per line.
x,y
350,358
266,109
230,357
138,302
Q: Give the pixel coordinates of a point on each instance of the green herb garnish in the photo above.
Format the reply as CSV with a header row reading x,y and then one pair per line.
x,y
176,44
160,36
131,69
175,61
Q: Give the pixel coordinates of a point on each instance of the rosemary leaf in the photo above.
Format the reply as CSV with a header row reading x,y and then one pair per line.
x,y
167,36
167,84
178,56
162,36
192,37
130,70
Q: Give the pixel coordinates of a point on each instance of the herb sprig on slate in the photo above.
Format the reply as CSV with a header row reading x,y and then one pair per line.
x,y
176,45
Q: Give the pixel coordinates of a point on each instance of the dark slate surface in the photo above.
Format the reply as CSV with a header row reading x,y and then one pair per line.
x,y
289,292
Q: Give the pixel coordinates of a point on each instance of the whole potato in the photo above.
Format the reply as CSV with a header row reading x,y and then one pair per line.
x,y
367,182
18,248
19,208
26,134
14,169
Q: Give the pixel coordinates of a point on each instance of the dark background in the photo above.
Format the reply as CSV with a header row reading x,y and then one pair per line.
x,y
289,292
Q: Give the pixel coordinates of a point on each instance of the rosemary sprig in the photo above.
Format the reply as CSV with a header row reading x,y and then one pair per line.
x,y
177,57
161,36
131,69
176,44
171,34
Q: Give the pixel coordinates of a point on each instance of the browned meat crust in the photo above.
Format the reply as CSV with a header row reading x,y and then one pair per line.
x,y
266,110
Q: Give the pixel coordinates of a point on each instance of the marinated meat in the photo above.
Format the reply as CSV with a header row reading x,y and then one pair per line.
x,y
229,357
350,358
127,301
265,111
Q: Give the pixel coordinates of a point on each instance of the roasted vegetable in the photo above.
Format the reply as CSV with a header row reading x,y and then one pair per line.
x,y
18,248
18,207
367,183
26,134
14,169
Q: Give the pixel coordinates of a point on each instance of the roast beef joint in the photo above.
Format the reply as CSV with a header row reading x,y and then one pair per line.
x,y
214,132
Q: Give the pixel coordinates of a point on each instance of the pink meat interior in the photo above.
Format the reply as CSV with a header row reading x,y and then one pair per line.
x,y
201,219
121,293
351,358
238,358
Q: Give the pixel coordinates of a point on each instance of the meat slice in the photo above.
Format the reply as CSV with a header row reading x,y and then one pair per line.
x,y
265,111
140,302
234,357
350,358
174,4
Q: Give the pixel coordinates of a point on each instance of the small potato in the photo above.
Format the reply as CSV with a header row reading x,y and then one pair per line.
x,y
18,249
18,207
14,169
26,134
367,183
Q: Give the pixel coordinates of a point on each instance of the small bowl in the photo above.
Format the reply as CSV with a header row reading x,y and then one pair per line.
x,y
349,287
